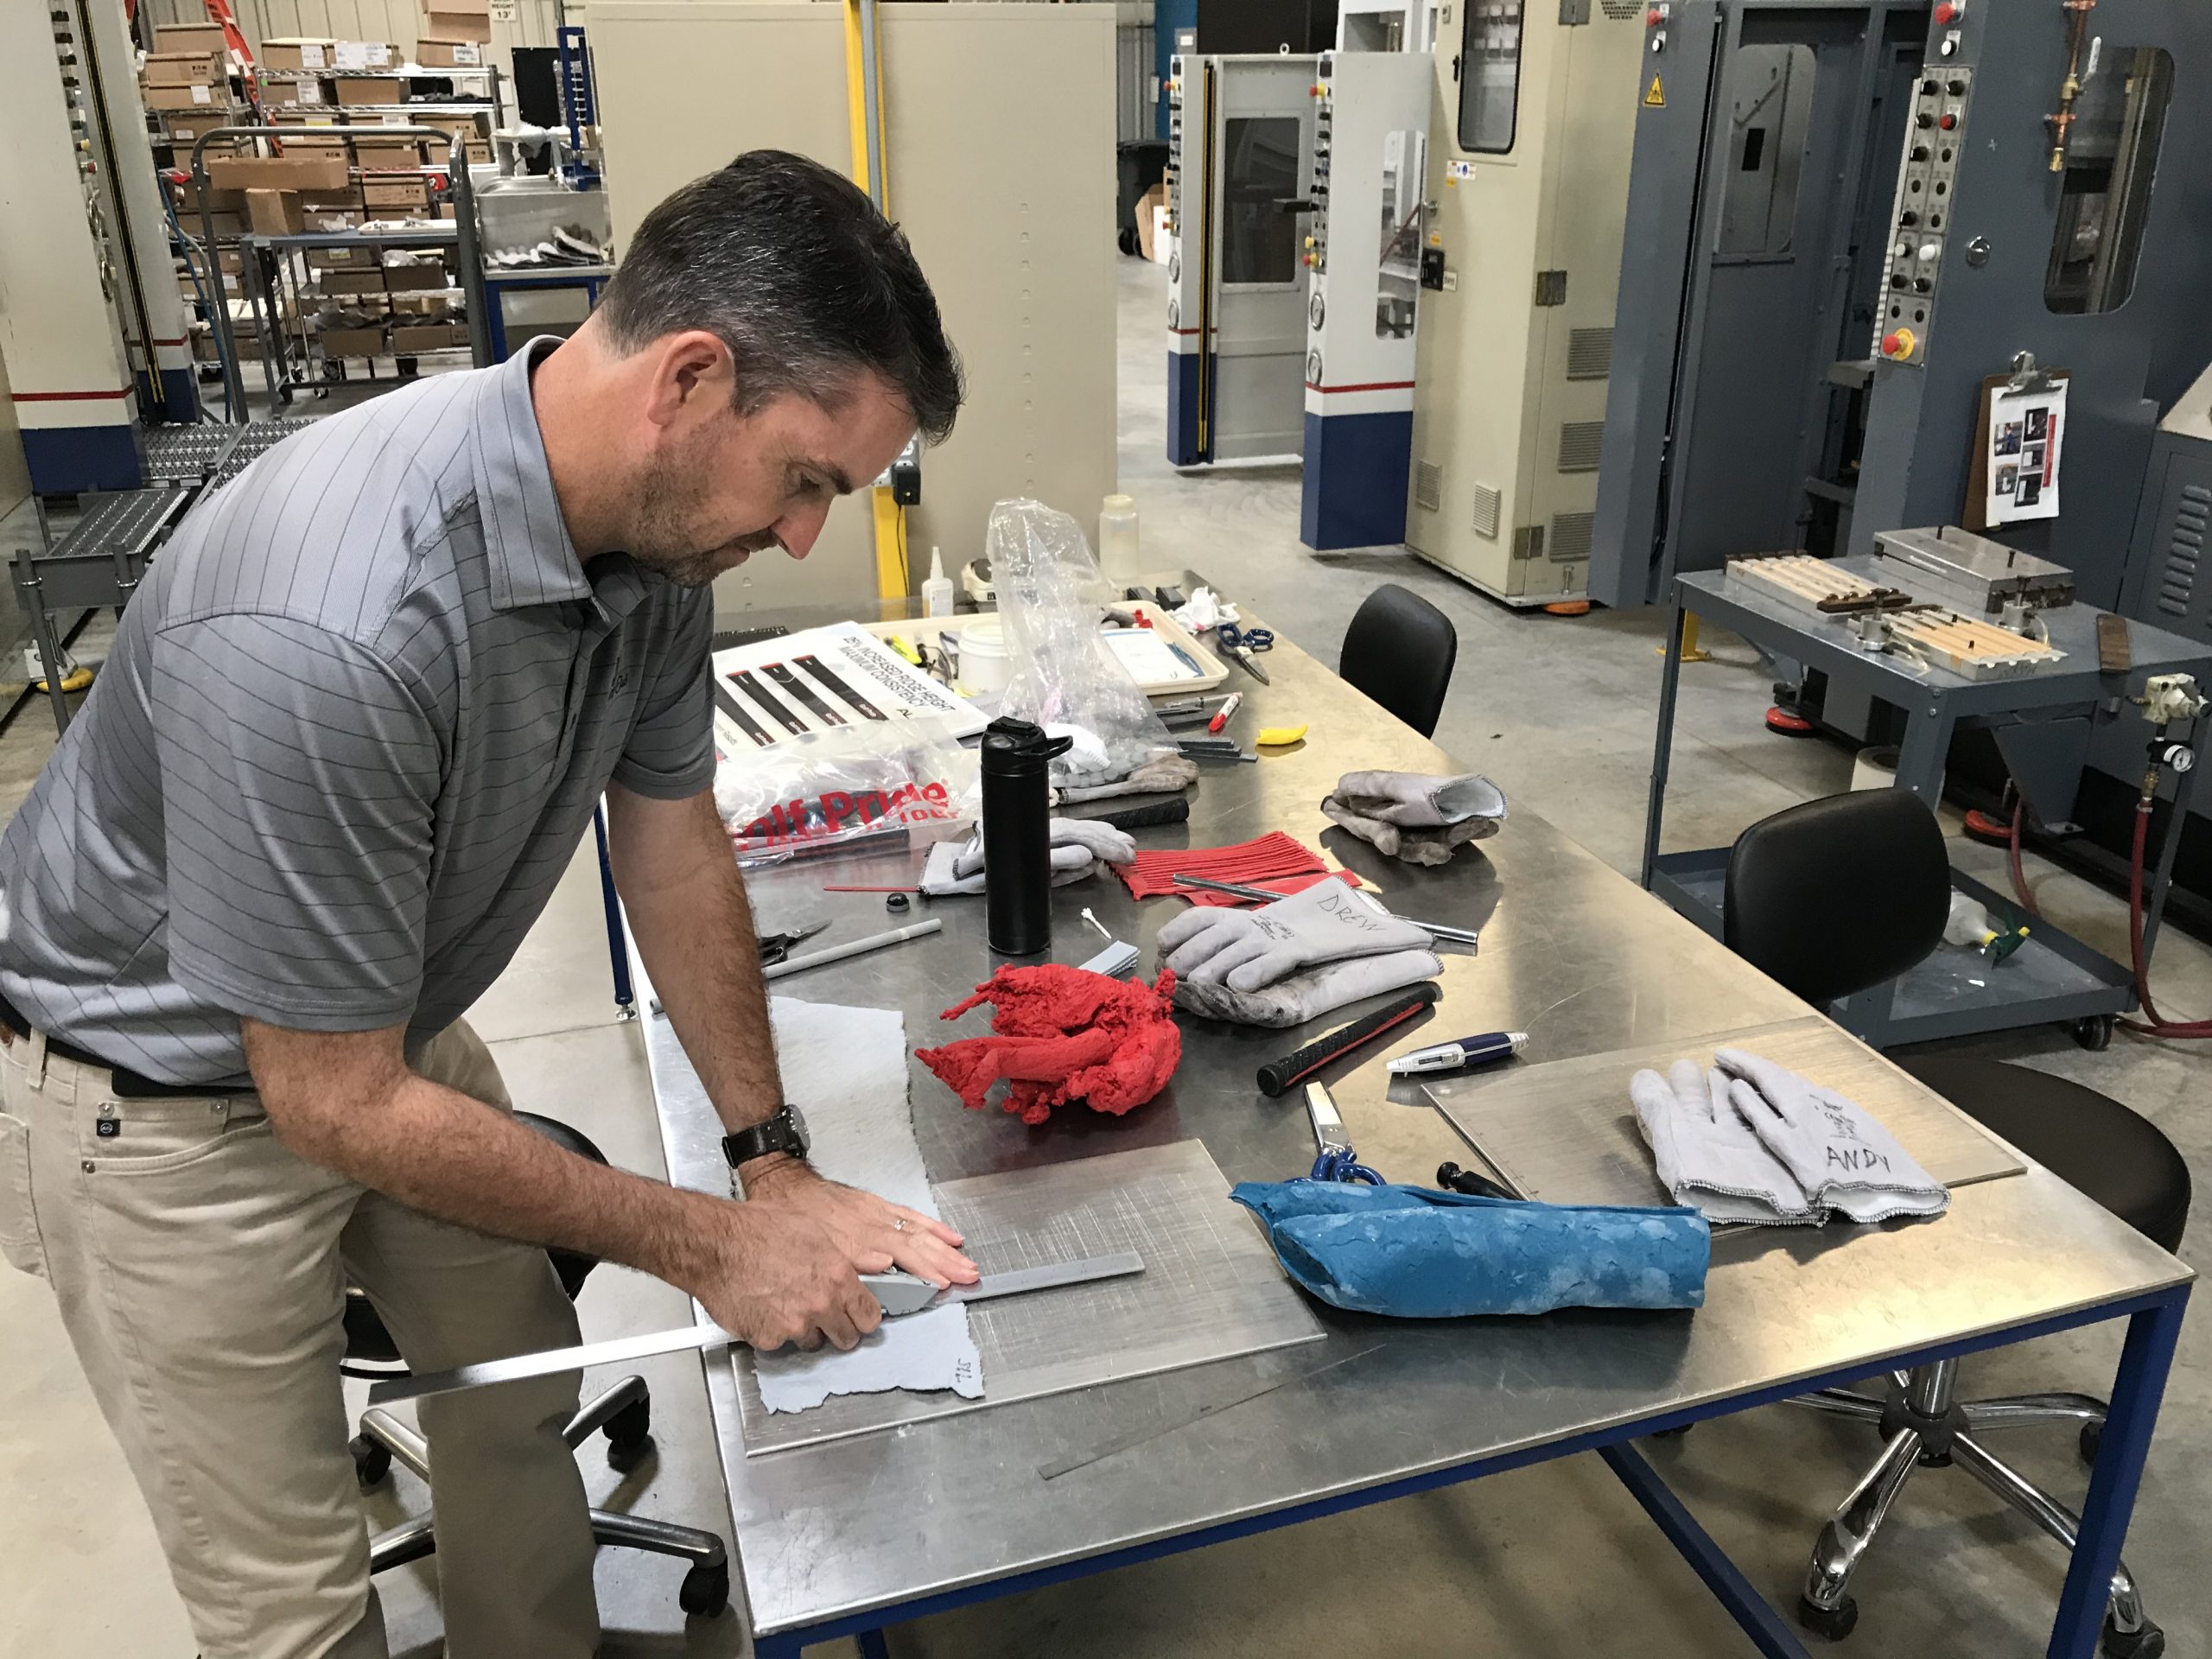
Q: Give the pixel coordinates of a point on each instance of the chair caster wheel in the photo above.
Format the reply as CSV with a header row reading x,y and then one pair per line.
x,y
2094,1031
2093,1436
1832,1622
705,1592
630,1429
371,1461
2148,1642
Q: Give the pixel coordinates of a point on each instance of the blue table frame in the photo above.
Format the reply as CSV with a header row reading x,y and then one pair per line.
x,y
2153,1328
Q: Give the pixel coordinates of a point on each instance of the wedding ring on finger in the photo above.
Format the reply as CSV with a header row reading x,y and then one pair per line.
x,y
897,1223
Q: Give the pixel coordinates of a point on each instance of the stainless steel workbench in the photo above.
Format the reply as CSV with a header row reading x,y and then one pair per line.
x,y
849,1536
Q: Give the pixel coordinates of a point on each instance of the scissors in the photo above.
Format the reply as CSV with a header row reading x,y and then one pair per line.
x,y
1243,642
775,947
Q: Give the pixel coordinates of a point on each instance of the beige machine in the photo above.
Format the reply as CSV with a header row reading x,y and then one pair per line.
x,y
1528,160
999,137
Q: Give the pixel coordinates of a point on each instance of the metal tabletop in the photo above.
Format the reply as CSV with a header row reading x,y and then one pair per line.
x,y
2055,977
848,1535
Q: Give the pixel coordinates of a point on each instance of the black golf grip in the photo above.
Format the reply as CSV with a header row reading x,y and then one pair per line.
x,y
1144,817
1276,1076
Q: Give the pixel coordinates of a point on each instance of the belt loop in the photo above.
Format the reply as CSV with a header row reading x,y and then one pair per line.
x,y
34,1062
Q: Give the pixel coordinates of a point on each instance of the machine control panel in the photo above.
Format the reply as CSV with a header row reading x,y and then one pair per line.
x,y
1174,145
1317,244
1920,225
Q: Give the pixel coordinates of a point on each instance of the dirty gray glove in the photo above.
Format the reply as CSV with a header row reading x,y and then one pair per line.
x,y
1164,774
1079,846
1707,1156
1416,819
1250,950
1307,996
1841,1157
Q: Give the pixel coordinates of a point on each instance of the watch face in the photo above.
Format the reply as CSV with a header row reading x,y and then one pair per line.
x,y
798,1127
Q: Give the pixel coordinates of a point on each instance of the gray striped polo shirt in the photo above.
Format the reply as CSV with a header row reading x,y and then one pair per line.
x,y
354,725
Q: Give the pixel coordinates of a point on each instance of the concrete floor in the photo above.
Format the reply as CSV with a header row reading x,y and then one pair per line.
x,y
1554,1559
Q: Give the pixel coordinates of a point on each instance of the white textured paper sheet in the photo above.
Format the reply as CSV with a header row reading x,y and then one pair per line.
x,y
846,1068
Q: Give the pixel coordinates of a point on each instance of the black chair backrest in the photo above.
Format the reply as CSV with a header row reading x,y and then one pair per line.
x,y
1398,650
1839,894
366,1339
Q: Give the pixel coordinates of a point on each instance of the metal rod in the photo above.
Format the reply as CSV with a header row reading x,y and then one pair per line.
x,y
872,100
839,952
1662,744
1434,930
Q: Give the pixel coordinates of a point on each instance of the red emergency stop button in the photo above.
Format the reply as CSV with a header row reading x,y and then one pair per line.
x,y
1898,343
1949,11
1949,122
1654,17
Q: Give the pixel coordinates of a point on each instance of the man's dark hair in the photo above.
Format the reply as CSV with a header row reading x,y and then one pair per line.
x,y
793,269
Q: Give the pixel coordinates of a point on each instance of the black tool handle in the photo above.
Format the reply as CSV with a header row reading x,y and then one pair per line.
x,y
1277,1077
1144,817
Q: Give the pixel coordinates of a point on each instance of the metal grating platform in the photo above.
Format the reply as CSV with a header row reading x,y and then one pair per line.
x,y
255,440
187,454
118,522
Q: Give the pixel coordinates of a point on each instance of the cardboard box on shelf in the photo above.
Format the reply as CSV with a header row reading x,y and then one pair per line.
x,y
274,212
379,194
225,225
304,136
182,129
230,259
297,52
277,94
184,68
370,281
468,126
477,149
376,151
352,342
366,89
290,172
353,258
429,307
186,193
354,55
409,337
449,54
198,96
349,197
445,24
404,279
171,39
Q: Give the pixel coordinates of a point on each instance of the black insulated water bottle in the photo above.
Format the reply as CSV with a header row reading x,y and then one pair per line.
x,y
1017,835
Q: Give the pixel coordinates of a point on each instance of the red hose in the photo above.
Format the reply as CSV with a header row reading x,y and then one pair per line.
x,y
2154,1025
2019,880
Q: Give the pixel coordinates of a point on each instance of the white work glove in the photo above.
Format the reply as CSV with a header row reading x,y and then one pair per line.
x,y
1164,774
1842,1158
1307,996
1707,1156
1250,950
1416,819
1079,846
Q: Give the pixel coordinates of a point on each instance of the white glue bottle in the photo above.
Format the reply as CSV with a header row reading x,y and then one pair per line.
x,y
936,591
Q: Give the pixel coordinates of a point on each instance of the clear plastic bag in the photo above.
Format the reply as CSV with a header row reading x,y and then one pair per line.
x,y
1063,676
829,791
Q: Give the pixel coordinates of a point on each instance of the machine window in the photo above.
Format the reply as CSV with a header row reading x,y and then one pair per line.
x,y
1260,172
1490,76
1397,288
1771,108
2111,161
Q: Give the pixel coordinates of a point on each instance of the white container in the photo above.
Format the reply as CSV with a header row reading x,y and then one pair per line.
x,y
937,591
985,665
1877,768
1117,534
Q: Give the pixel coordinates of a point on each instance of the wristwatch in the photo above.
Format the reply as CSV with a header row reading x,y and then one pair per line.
x,y
784,1132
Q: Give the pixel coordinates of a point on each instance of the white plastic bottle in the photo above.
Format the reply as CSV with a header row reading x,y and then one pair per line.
x,y
936,591
1117,535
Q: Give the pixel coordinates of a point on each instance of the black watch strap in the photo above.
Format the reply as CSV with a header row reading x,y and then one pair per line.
x,y
777,1133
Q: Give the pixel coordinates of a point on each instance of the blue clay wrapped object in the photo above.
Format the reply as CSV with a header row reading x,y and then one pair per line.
x,y
1417,1253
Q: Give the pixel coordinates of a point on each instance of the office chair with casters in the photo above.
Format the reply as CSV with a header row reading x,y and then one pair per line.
x,y
1831,898
1400,650
623,1413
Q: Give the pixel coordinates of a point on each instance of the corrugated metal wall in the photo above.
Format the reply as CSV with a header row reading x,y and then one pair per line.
x,y
396,21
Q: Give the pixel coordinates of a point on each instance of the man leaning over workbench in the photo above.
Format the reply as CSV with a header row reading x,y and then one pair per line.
x,y
351,733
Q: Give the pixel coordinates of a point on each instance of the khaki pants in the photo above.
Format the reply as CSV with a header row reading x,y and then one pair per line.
x,y
201,1270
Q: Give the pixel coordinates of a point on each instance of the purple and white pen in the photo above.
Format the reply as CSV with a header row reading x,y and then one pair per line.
x,y
1468,1050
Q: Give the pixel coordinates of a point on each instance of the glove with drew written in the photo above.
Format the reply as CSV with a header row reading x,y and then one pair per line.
x,y
1249,950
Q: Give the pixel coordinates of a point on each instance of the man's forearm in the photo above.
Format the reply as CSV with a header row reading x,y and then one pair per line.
x,y
679,881
453,1157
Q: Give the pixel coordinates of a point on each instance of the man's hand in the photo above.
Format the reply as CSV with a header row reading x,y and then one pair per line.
x,y
874,1233
774,1275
